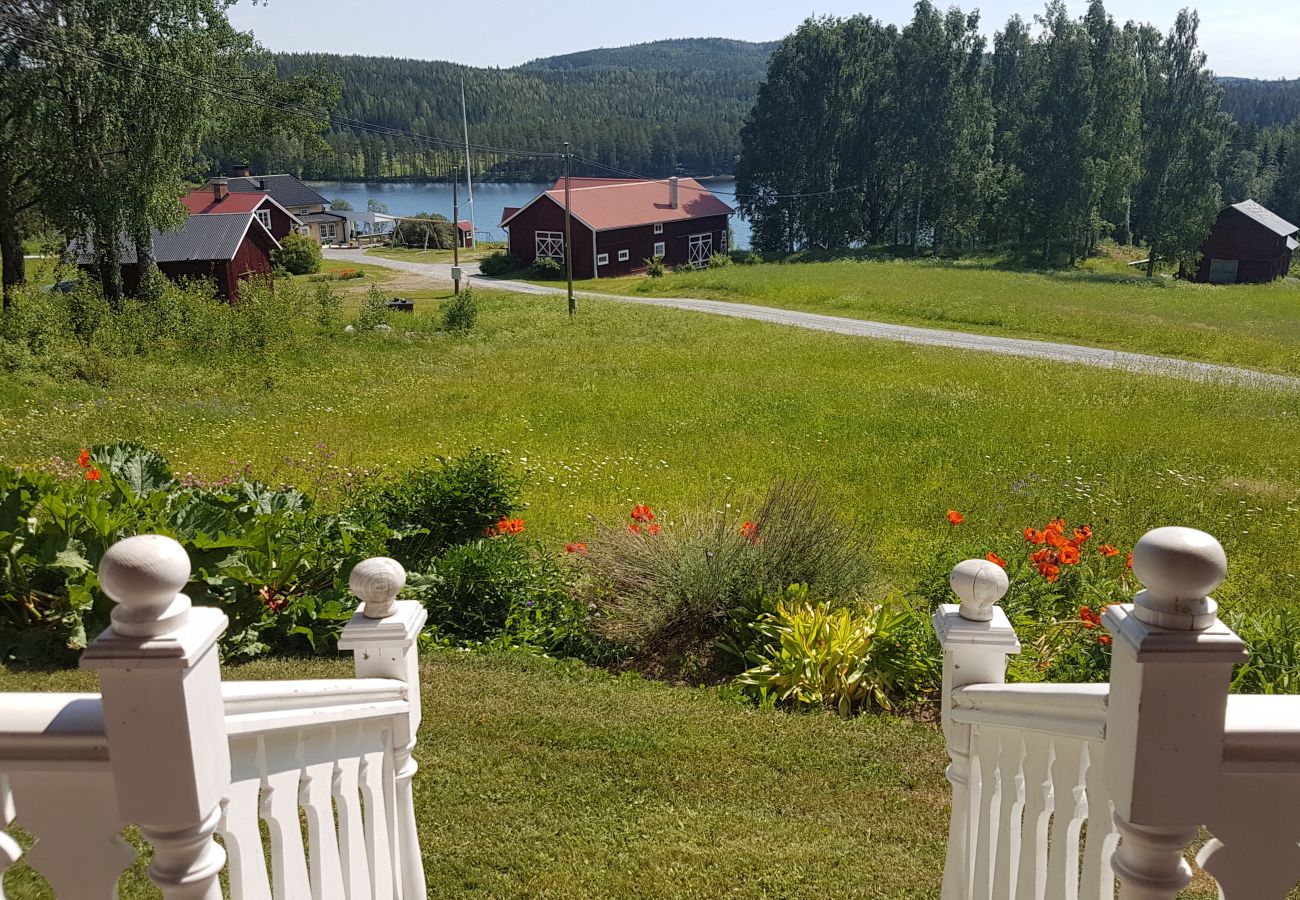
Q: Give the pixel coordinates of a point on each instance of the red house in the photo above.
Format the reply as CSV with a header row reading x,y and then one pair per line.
x,y
223,248
1247,244
217,199
619,223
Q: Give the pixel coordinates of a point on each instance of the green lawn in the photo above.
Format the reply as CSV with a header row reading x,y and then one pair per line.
x,y
473,254
1257,326
632,404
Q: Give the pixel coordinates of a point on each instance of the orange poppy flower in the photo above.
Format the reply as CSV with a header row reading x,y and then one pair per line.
x,y
1051,571
575,548
1104,639
1107,550
92,475
1055,538
633,528
1034,536
748,529
955,518
83,458
1081,535
996,560
1038,557
1069,554
510,526
1129,561
643,513
652,528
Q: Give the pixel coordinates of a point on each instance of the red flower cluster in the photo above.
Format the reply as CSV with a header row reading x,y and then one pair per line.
x,y
83,460
643,515
1060,549
576,548
954,517
1093,620
749,531
508,526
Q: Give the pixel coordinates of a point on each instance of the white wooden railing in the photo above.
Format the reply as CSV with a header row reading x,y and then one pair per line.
x,y
168,747
1086,792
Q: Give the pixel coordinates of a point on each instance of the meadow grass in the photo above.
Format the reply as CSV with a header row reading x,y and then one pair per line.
x,y
1256,326
472,254
631,404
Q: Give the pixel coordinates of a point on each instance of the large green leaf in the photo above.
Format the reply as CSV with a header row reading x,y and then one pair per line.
x,y
140,469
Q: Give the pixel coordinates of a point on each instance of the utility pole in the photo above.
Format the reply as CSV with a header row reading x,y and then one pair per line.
x,y
455,231
568,232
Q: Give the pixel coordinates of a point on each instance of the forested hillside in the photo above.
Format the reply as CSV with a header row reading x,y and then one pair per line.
x,y
647,108
1254,102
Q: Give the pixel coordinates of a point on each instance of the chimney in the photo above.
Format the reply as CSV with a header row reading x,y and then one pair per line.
x,y
220,188
241,170
672,192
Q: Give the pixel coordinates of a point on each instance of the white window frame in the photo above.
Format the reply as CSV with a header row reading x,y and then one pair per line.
x,y
329,231
549,244
660,249
624,255
722,242
699,249
659,228
264,216
602,259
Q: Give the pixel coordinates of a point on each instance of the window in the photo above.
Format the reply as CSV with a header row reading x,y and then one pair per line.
x,y
699,250
329,231
549,244
659,229
659,249
602,259
264,216
722,242
624,255
1223,271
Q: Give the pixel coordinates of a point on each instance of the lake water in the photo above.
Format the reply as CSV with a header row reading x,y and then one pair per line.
x,y
490,198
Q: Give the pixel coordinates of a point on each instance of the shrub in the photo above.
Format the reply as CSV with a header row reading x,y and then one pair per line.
x,y
461,312
719,261
746,257
503,593
374,310
329,305
349,273
654,267
298,254
676,592
811,655
428,510
498,263
547,269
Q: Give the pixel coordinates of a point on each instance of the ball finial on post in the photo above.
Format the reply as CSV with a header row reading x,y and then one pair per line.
x,y
979,584
144,576
377,582
1179,567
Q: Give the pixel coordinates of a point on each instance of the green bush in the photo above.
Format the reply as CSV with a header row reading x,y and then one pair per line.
x,y
547,269
719,261
499,263
811,655
460,312
502,592
654,267
428,510
374,310
746,257
276,566
298,254
676,593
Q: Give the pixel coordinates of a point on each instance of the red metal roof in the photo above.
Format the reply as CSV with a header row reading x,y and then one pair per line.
x,y
465,225
576,182
201,202
604,204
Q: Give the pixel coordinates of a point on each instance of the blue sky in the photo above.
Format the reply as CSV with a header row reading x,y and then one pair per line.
x,y
1251,38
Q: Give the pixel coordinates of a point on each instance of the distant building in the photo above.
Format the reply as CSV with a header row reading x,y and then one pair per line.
x,y
317,221
1247,244
619,223
363,223
216,199
225,248
465,233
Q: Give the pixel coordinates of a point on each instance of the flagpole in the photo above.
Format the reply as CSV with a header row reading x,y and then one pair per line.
x,y
469,186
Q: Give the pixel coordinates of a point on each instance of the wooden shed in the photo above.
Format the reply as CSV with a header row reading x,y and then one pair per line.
x,y
1247,244
619,223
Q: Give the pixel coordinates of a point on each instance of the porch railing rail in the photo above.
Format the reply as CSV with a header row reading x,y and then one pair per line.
x,y
1096,791
170,748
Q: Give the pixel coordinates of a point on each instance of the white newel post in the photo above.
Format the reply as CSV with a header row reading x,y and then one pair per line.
x,y
160,679
383,635
976,638
1170,672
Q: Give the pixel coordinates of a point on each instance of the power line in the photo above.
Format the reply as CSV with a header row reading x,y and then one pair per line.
x,y
702,189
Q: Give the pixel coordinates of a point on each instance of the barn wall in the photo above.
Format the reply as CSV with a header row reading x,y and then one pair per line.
x,y
547,215
1261,254
640,241
281,224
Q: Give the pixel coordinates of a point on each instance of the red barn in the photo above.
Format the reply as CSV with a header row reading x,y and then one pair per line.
x,y
1247,244
226,249
217,199
619,223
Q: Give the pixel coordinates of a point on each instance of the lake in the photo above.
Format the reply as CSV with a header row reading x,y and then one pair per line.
x,y
490,198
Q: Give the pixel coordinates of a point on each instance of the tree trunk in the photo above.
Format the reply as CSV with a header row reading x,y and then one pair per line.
x,y
916,224
1151,262
146,266
108,260
15,268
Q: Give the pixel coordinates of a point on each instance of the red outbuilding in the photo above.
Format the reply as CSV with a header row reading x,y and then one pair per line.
x,y
619,223
1247,244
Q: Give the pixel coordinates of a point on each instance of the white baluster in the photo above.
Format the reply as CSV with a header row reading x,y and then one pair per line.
x,y
383,635
1067,821
279,810
317,801
163,712
1097,879
240,817
347,801
10,852
1170,671
376,776
1031,882
976,639
986,773
1010,815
